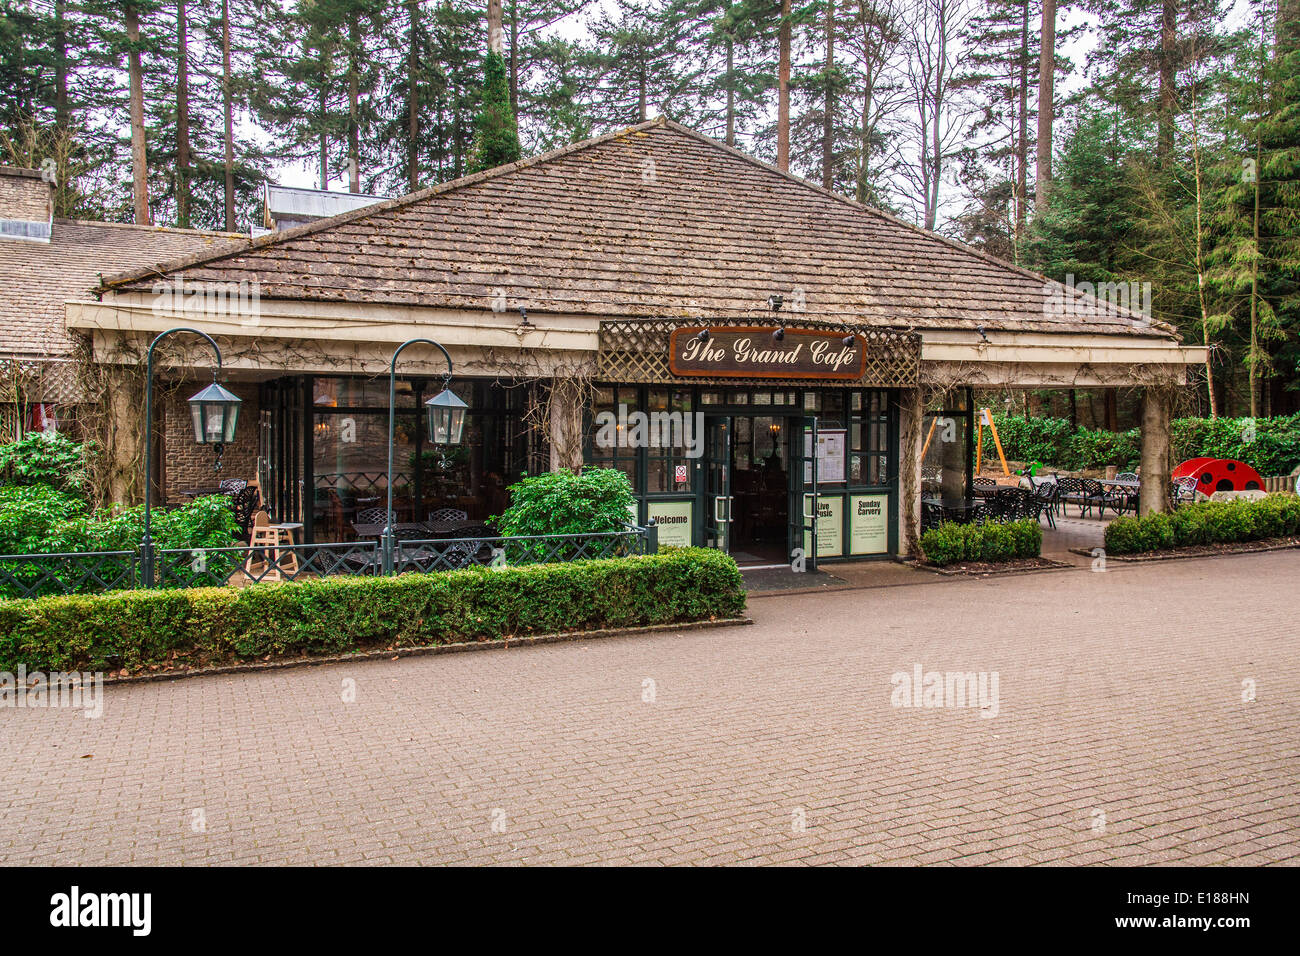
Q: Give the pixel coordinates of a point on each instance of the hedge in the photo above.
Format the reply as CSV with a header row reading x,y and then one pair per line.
x,y
1206,522
336,615
952,542
1273,447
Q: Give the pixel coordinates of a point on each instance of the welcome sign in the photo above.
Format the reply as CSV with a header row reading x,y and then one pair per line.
x,y
750,352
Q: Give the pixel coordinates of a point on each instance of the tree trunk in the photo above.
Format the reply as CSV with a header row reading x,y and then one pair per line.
x,y
642,96
139,158
828,124
783,91
1046,107
1022,143
514,56
412,101
1168,42
354,83
182,119
494,25
229,110
731,93
62,115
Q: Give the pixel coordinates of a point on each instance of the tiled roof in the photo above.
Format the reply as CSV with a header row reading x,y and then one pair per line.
x,y
655,220
36,278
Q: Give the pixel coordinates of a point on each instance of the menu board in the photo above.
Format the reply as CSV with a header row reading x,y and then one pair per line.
x,y
830,525
832,444
674,521
868,524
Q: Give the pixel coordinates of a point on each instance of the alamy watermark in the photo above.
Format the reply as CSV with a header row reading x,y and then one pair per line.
x,y
78,690
922,688
185,297
651,430
1130,296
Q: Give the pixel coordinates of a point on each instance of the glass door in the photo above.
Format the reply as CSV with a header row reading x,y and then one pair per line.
x,y
715,489
803,493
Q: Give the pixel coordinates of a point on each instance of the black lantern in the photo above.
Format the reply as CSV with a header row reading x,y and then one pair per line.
x,y
214,411
446,417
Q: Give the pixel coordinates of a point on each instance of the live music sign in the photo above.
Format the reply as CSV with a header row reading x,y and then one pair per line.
x,y
751,352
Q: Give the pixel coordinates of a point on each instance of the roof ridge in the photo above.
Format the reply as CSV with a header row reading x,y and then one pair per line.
x,y
275,238
178,230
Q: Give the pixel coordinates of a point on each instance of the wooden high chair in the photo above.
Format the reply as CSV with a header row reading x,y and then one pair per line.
x,y
267,561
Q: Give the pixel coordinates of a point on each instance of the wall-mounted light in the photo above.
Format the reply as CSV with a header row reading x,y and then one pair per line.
x,y
778,334
703,335
980,330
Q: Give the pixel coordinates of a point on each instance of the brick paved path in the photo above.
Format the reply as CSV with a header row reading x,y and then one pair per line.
x,y
1121,735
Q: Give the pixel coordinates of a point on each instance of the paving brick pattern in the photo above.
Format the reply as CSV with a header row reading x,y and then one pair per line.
x,y
1121,737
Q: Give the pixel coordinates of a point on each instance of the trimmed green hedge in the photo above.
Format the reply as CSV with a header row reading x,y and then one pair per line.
x,y
1273,447
335,615
1206,522
952,542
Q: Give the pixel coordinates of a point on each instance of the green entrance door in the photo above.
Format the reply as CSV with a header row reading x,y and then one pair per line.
x,y
715,486
803,493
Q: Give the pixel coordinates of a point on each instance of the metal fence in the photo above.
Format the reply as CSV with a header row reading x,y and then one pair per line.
x,y
90,572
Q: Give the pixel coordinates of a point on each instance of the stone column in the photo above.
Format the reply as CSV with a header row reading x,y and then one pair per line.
x,y
1157,412
911,415
564,413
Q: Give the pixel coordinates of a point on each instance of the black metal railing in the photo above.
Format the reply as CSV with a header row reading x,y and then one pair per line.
x,y
76,572
89,572
449,554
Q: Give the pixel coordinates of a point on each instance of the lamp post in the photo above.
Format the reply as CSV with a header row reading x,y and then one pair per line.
x,y
214,411
446,419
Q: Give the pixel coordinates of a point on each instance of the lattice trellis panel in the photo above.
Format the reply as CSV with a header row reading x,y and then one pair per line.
x,y
635,351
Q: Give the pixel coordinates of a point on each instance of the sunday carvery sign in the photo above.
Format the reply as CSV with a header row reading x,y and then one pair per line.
x,y
746,352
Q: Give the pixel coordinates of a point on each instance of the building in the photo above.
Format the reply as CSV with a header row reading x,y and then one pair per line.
x,y
786,345
45,262
284,207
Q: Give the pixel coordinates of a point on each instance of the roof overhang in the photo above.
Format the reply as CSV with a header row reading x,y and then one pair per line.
x,y
268,334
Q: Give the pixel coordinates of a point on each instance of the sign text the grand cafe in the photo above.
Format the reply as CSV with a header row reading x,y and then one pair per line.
x,y
746,352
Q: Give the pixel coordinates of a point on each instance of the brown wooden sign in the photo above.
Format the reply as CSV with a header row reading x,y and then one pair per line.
x,y
751,352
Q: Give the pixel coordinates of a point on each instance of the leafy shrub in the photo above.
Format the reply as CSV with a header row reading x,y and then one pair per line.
x,y
39,519
134,629
1206,522
45,458
1129,534
951,542
1033,439
598,500
1274,448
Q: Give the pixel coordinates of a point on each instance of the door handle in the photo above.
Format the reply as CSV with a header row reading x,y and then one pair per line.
x,y
806,516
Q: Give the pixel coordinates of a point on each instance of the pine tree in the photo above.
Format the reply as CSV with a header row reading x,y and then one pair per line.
x,y
496,137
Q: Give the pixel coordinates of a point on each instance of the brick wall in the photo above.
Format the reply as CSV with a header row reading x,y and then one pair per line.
x,y
189,465
24,195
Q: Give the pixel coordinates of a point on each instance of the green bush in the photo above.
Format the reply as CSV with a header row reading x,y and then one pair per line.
x,y
1206,522
952,542
45,458
1273,447
598,500
40,519
135,629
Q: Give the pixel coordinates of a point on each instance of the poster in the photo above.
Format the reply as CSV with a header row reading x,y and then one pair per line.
x,y
832,444
868,524
674,521
830,525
